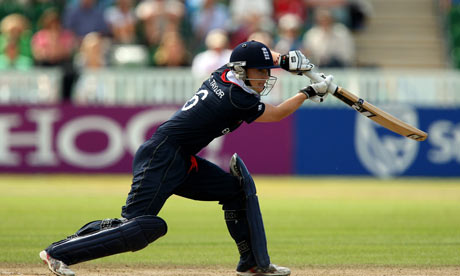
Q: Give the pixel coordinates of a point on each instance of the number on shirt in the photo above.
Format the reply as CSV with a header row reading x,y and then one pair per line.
x,y
202,94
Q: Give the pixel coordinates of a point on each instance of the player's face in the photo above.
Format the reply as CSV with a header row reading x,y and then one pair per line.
x,y
257,78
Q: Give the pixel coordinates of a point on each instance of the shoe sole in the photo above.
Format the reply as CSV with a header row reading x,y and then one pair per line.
x,y
44,256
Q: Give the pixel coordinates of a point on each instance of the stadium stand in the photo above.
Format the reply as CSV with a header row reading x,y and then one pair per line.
x,y
402,34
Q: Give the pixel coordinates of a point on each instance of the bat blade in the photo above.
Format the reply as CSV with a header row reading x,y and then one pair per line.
x,y
379,116
372,112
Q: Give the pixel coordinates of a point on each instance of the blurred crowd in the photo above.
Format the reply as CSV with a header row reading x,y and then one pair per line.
x,y
450,9
87,34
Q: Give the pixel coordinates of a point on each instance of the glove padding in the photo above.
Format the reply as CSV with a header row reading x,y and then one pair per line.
x,y
295,62
317,92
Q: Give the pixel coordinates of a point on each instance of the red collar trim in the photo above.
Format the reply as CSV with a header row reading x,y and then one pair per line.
x,y
223,77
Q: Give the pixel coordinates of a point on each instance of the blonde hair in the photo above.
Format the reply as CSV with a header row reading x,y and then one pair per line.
x,y
14,20
216,39
90,40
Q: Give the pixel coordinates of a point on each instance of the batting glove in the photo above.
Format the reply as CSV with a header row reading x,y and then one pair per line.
x,y
317,92
295,62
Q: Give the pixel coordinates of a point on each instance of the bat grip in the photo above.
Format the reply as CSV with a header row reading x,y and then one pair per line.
x,y
316,77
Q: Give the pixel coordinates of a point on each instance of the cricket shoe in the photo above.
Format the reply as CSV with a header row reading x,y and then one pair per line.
x,y
56,266
271,270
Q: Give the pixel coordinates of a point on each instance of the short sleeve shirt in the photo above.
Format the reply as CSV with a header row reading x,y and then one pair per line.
x,y
218,107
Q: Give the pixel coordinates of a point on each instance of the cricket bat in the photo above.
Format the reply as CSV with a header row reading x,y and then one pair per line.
x,y
372,112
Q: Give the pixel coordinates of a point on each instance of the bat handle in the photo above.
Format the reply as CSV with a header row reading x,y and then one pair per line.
x,y
316,77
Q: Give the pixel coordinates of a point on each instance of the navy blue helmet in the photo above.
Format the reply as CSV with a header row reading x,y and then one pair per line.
x,y
255,55
252,54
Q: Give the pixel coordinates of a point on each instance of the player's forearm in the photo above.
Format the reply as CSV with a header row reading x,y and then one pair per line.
x,y
290,105
277,113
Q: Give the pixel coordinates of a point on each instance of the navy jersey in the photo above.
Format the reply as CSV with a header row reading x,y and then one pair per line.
x,y
219,107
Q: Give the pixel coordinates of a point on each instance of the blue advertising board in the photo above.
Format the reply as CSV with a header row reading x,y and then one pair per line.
x,y
340,141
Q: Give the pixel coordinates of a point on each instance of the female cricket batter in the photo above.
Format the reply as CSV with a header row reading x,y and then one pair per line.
x,y
168,164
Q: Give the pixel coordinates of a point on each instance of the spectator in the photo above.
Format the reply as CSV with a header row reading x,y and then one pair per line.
x,y
122,22
55,46
38,7
264,37
84,18
359,12
92,54
172,51
158,18
338,8
52,45
31,9
253,22
216,56
15,51
90,58
283,7
289,33
240,8
327,43
210,16
249,17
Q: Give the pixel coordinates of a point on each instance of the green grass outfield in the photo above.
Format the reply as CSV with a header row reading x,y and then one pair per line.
x,y
309,221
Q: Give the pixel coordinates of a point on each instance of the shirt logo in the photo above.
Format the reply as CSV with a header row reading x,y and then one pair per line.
x,y
259,108
266,54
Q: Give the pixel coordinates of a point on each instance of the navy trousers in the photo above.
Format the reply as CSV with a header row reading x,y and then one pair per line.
x,y
161,169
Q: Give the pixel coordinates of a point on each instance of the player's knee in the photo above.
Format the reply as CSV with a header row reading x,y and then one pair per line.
x,y
239,169
143,230
234,168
